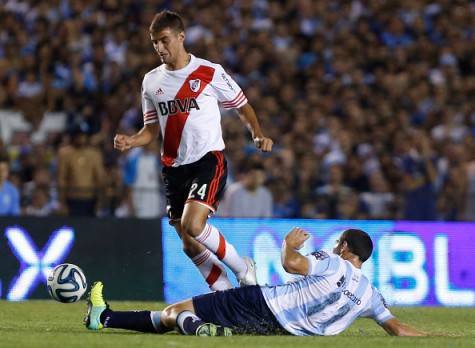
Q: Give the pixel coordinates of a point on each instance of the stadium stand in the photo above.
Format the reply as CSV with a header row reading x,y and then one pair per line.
x,y
371,104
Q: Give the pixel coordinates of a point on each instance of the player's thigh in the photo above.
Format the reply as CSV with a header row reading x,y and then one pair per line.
x,y
194,218
209,179
243,309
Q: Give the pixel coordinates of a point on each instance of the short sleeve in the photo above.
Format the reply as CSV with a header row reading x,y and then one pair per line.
x,y
378,309
227,90
148,108
322,263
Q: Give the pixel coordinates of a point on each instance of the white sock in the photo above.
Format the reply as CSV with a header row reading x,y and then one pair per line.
x,y
214,241
212,270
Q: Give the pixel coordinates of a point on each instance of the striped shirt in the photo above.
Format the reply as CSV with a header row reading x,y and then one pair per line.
x,y
326,301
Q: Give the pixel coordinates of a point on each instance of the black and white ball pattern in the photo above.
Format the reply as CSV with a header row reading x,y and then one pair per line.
x,y
66,283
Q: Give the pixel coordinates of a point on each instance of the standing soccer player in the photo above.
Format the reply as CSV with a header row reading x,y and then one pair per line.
x,y
180,99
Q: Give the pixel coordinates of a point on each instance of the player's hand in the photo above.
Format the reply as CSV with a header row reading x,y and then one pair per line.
x,y
263,143
296,238
122,142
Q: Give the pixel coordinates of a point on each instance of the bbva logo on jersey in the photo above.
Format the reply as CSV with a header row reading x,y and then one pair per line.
x,y
195,85
175,106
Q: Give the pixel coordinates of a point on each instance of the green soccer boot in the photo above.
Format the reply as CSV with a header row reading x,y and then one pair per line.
x,y
209,329
95,306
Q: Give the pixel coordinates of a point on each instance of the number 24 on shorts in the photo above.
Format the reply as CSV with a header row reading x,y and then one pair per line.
x,y
201,192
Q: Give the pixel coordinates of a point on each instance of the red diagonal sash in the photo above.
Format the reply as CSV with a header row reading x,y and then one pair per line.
x,y
176,122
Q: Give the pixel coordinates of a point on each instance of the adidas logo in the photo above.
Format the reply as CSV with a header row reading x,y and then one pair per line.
x,y
159,91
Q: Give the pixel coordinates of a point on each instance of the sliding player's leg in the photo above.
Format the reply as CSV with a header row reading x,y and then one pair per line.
x,y
194,223
100,316
181,315
240,310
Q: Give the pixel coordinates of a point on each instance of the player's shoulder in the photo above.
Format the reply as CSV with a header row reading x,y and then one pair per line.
x,y
322,254
153,73
204,62
327,256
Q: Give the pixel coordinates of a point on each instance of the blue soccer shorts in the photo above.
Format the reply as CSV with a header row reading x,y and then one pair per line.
x,y
242,309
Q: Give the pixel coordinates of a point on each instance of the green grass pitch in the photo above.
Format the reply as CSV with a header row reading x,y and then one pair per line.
x,y
52,324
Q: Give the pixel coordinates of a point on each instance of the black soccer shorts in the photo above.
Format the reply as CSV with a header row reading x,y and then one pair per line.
x,y
202,181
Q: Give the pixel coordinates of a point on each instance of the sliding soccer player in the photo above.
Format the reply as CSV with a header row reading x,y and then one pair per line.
x,y
330,296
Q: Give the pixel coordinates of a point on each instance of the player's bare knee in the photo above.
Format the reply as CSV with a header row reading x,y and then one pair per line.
x,y
170,313
168,316
192,227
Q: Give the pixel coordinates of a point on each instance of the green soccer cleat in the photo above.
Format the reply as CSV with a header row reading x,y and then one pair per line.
x,y
95,306
209,329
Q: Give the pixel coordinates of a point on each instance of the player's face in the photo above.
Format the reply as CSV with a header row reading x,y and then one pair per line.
x,y
338,248
167,43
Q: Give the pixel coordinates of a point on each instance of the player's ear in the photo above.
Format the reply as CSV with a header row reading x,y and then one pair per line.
x,y
344,247
181,36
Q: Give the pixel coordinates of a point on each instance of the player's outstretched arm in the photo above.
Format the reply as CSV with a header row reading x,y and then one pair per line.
x,y
248,116
395,328
292,261
147,134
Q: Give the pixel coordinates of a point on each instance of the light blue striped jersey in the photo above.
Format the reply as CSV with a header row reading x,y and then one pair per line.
x,y
326,301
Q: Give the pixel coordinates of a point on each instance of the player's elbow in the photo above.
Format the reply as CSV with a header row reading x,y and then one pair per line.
x,y
287,267
292,265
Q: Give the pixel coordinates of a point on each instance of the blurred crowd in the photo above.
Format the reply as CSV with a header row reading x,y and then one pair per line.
x,y
371,104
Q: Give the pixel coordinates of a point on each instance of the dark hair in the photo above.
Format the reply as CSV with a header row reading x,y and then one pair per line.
x,y
167,19
359,243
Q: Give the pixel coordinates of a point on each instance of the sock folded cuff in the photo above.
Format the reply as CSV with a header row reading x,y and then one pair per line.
x,y
204,234
201,257
102,318
180,319
188,322
155,318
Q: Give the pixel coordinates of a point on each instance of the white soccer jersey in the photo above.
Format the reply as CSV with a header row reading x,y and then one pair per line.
x,y
185,102
326,301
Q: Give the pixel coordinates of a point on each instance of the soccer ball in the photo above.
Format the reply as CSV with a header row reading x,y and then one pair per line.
x,y
66,283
